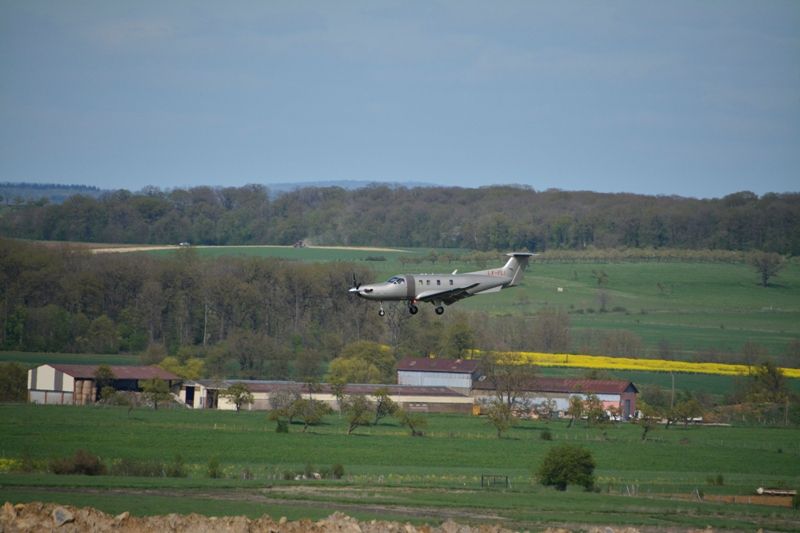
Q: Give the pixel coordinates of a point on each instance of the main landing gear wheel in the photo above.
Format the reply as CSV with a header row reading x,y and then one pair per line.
x,y
413,309
439,310
381,312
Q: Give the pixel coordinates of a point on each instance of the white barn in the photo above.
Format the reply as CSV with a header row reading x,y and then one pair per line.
x,y
76,384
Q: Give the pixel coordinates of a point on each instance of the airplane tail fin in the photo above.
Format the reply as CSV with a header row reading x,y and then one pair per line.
x,y
515,267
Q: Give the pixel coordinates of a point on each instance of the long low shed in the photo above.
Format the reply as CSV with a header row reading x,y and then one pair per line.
x,y
617,394
206,394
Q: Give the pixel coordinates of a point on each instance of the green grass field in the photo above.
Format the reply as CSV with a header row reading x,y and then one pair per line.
x,y
388,472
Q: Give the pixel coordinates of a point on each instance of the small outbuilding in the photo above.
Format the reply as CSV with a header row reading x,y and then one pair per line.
x,y
77,384
457,374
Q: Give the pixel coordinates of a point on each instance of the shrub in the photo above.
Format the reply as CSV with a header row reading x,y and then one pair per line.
x,y
337,471
214,470
133,467
546,435
282,427
81,462
177,468
567,464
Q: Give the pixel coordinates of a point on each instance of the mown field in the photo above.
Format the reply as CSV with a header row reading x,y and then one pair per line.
x,y
390,474
701,309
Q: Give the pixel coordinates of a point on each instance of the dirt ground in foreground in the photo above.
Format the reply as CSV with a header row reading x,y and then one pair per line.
x,y
35,517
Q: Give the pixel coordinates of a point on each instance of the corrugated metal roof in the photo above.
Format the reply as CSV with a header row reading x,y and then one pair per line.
x,y
120,372
588,386
456,366
326,388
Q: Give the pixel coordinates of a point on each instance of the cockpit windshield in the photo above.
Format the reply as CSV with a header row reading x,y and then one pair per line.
x,y
396,280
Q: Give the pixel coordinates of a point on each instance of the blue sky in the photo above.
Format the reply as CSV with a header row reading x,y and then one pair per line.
x,y
694,98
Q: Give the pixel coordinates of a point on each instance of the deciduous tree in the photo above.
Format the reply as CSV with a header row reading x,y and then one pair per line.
x,y
238,394
767,265
566,464
358,410
155,390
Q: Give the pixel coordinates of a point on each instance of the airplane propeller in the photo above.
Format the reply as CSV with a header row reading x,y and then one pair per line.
x,y
356,288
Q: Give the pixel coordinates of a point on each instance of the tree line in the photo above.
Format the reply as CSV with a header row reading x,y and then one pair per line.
x,y
488,218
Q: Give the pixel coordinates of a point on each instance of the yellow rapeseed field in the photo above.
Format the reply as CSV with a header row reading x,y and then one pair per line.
x,y
629,363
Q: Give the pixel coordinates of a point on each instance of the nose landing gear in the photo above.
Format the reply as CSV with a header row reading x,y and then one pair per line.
x,y
413,309
381,312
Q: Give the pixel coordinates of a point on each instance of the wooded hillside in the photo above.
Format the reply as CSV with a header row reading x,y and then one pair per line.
x,y
500,217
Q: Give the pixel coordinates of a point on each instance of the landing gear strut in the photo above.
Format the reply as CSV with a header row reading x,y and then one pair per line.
x,y
381,312
413,309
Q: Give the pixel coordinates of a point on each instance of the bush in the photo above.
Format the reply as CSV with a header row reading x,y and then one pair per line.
x,y
282,427
177,468
133,467
546,435
337,471
567,464
81,462
214,469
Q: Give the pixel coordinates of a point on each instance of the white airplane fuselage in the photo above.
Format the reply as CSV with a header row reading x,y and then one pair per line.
x,y
444,289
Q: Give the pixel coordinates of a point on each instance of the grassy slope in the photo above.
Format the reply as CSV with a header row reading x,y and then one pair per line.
x,y
392,468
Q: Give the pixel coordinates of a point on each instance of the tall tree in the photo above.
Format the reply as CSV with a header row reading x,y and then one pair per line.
x,y
767,265
509,379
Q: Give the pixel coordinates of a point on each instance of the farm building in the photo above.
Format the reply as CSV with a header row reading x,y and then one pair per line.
x,y
76,384
457,374
206,394
465,375
617,394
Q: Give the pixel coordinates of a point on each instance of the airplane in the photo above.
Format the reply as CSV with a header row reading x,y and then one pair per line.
x,y
443,289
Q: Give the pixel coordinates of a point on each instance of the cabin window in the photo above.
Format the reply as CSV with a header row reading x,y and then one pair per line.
x,y
451,282
420,283
427,282
438,282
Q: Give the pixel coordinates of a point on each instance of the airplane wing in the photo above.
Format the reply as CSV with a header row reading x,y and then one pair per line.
x,y
448,296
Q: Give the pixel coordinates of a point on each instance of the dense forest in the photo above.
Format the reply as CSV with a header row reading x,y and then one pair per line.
x,y
247,317
489,218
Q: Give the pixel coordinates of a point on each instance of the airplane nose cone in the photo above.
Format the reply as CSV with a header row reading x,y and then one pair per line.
x,y
353,290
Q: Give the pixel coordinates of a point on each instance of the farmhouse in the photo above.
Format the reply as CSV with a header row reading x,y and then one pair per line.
x,y
77,384
206,394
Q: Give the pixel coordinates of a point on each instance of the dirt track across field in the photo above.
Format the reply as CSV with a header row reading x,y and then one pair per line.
x,y
149,248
